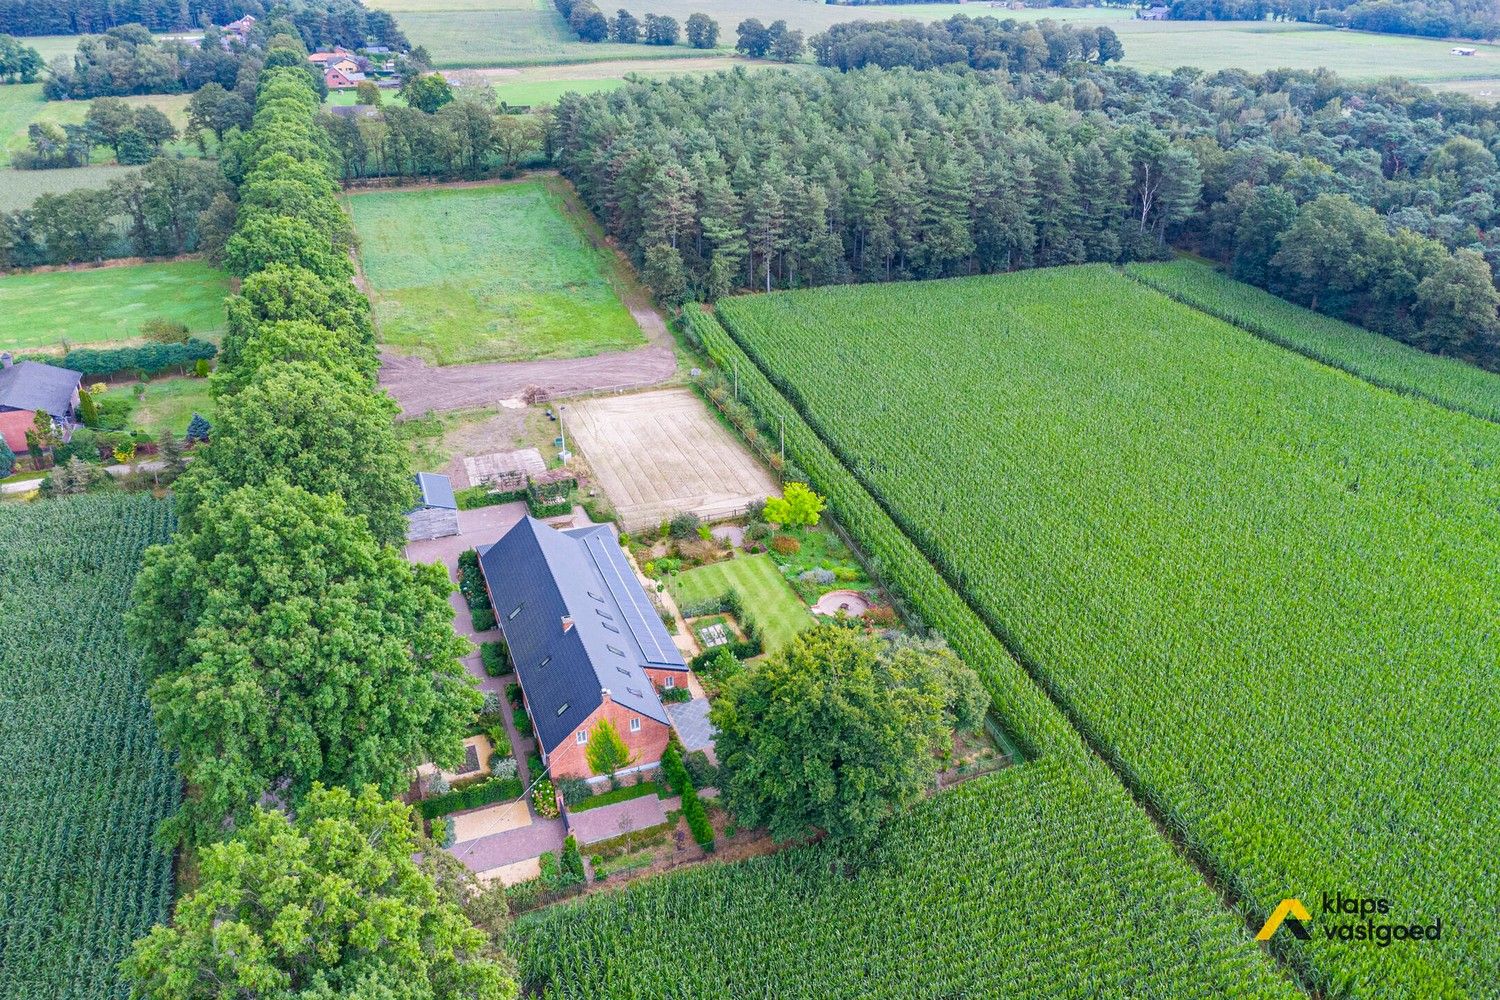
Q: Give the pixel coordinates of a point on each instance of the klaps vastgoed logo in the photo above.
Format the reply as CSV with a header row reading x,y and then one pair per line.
x,y
1292,915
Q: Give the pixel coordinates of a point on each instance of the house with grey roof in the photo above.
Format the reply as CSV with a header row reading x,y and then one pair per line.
x,y
587,642
32,386
436,513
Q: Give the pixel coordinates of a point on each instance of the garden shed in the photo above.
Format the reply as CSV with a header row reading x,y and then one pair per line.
x,y
436,513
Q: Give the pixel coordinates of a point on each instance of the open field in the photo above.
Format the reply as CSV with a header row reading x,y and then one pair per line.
x,y
545,84
19,188
776,607
507,34
1375,358
1032,883
46,308
498,272
655,454
82,777
21,104
1185,530
167,404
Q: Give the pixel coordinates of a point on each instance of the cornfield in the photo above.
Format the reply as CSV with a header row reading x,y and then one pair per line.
x,y
1036,882
83,783
1375,358
1265,591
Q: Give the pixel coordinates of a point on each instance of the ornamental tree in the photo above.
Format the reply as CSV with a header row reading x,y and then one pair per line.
x,y
606,751
283,647
328,904
822,737
798,506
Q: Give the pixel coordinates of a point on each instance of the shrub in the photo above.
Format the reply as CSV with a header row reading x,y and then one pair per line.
x,y
164,331
483,496
882,616
544,799
697,819
494,703
572,862
707,606
496,660
819,576
484,620
522,722
757,530
673,769
785,545
500,740
701,770
442,832
672,695
513,693
574,790
471,582
503,767
471,796
684,525
437,785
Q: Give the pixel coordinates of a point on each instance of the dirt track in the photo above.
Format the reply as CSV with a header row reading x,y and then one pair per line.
x,y
419,388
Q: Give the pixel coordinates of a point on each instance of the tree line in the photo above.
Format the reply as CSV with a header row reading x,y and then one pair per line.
x,y
866,176
980,42
590,23
171,206
1373,203
298,666
320,23
1433,18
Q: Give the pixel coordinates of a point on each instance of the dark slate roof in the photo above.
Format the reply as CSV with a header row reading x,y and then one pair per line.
x,y
435,491
30,385
537,577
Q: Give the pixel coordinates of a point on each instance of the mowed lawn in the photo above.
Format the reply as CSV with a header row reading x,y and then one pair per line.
x,y
169,404
52,308
493,273
765,593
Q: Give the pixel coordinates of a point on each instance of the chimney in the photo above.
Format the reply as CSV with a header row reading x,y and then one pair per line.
x,y
5,360
567,622
604,695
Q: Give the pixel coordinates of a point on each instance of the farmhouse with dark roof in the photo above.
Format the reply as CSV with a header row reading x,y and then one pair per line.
x,y
586,641
27,387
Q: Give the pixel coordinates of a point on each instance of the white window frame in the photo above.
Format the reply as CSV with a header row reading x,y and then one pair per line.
x,y
581,737
635,725
671,682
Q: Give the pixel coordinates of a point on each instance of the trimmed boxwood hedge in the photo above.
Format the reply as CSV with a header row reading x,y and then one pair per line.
x,y
480,793
622,794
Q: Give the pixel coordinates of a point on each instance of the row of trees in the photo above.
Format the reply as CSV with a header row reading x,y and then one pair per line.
x,y
1433,18
774,41
299,667
468,136
319,23
134,135
590,23
19,63
866,176
981,42
130,60
171,206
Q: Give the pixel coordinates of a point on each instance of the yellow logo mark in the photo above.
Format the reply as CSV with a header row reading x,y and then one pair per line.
x,y
1292,908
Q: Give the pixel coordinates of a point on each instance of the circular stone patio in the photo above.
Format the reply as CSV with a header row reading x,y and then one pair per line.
x,y
851,602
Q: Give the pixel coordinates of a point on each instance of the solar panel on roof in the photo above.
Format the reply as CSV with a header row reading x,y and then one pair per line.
x,y
631,600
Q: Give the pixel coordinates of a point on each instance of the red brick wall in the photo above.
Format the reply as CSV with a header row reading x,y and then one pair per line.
x,y
646,746
659,677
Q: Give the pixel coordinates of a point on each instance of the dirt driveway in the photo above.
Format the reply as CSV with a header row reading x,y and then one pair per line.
x,y
417,387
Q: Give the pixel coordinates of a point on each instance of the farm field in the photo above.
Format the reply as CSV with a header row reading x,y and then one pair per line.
x,y
1375,358
997,888
19,188
83,778
499,272
656,454
545,84
1223,543
21,104
47,308
508,33
778,611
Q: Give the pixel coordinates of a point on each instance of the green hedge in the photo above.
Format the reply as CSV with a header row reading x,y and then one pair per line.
x,y
150,359
482,496
481,793
629,841
622,794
